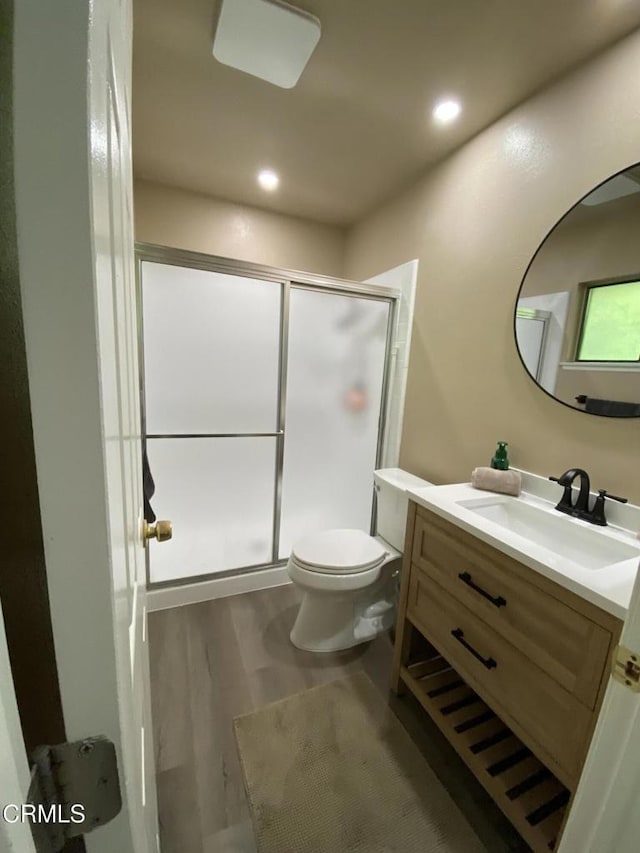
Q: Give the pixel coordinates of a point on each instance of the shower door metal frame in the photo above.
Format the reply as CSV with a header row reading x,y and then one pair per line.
x,y
540,316
288,280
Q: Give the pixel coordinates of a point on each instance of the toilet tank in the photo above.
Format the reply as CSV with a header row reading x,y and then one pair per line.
x,y
392,502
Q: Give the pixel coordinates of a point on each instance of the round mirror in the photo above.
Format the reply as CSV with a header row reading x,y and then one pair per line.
x,y
577,317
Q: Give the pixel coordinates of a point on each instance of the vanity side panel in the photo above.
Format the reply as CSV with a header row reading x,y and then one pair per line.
x,y
404,629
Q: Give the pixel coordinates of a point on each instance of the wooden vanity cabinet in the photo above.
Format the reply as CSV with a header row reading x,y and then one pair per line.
x,y
514,672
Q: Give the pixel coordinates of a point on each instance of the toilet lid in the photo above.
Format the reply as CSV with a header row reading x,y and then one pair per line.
x,y
340,551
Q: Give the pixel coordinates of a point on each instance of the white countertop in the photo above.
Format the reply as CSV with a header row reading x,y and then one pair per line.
x,y
609,588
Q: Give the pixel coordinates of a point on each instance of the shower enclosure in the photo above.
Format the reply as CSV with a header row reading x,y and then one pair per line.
x,y
264,396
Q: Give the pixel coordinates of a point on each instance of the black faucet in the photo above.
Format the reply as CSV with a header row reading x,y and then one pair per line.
x,y
580,509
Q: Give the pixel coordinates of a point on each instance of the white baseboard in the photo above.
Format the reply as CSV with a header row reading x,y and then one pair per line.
x,y
175,596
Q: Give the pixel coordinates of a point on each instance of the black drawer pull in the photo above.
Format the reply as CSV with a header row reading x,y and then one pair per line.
x,y
465,577
458,633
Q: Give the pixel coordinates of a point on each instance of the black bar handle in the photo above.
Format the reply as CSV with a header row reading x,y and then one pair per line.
x,y
465,577
605,494
489,663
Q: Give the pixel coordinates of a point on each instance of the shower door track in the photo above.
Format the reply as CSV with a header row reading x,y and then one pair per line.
x,y
287,279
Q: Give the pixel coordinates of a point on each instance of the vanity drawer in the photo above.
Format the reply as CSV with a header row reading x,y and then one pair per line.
x,y
531,612
554,724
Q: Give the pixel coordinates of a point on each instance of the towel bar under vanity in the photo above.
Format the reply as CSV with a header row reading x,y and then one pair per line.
x,y
513,673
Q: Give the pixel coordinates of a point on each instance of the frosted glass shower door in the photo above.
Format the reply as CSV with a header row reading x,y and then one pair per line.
x,y
211,351
211,367
336,362
218,492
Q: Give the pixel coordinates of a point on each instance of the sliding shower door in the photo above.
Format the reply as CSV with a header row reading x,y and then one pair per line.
x,y
211,378
337,347
263,401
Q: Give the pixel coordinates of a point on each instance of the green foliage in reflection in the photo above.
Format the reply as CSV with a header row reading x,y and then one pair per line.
x,y
611,328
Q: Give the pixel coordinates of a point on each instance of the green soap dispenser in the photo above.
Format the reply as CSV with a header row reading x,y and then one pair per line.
x,y
500,460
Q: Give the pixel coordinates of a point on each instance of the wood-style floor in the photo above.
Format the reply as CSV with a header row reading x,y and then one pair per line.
x,y
213,661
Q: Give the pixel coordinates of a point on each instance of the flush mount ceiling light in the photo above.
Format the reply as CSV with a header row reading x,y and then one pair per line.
x,y
446,111
268,180
266,38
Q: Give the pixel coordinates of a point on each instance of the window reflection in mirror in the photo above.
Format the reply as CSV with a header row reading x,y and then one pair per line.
x,y
577,318
609,330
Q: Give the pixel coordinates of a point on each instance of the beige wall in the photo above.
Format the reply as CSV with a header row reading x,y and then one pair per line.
x,y
474,222
185,220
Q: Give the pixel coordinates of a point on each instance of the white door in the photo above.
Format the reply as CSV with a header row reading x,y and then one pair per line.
x,y
14,770
605,817
75,240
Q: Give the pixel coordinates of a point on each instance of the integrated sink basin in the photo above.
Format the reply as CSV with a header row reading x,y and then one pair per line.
x,y
588,547
600,564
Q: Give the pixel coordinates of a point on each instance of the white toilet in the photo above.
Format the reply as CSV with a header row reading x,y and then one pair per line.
x,y
350,579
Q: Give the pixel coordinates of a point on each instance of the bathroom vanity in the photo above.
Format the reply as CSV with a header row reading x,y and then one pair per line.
x,y
507,643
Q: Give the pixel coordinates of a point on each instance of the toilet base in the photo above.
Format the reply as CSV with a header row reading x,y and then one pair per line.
x,y
331,621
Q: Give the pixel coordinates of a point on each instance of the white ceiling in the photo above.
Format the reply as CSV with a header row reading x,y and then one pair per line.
x,y
358,126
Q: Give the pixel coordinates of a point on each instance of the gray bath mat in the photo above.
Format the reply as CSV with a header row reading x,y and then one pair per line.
x,y
331,770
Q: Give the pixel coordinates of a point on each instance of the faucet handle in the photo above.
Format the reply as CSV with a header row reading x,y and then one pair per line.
x,y
605,494
597,516
565,503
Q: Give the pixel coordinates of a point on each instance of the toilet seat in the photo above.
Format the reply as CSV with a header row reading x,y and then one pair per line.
x,y
339,551
331,582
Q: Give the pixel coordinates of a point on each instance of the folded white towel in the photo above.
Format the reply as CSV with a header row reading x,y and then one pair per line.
x,y
493,480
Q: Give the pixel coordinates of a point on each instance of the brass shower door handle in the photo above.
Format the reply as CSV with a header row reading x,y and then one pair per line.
x,y
161,531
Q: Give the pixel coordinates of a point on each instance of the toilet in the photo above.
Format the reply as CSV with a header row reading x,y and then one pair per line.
x,y
349,578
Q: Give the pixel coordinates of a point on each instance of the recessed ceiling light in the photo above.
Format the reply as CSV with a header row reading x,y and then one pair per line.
x,y
268,180
446,111
269,39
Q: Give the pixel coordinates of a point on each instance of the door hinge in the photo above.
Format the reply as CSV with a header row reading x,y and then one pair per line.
x,y
626,668
74,789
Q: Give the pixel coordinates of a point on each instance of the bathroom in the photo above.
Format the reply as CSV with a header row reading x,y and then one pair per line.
x,y
471,224
437,224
